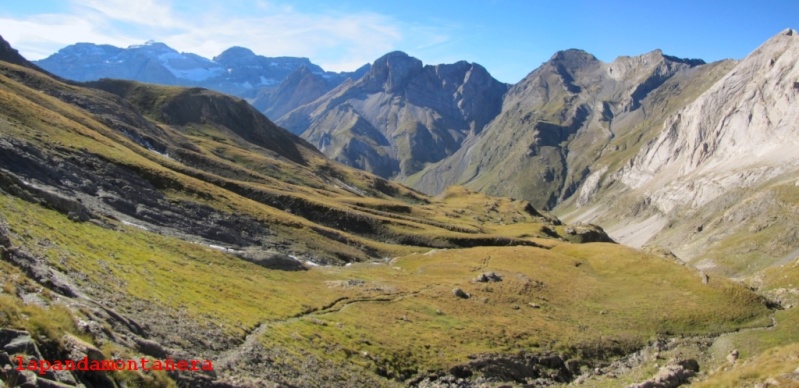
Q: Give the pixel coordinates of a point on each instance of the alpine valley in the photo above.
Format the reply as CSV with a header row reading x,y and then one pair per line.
x,y
631,223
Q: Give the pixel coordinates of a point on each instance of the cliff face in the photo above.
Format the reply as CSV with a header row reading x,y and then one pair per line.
x,y
715,183
741,132
401,115
554,125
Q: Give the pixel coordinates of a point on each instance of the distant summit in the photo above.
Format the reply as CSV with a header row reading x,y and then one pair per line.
x,y
234,53
237,70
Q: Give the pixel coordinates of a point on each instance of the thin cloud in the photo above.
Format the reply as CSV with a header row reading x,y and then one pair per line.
x,y
148,13
336,41
42,35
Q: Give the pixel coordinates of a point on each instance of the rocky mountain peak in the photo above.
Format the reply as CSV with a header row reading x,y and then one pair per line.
x,y
573,58
234,54
656,57
88,49
393,70
639,75
463,73
478,74
361,71
703,143
688,61
154,47
448,68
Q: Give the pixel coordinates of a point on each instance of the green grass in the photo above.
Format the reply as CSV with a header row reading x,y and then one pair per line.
x,y
49,323
395,319
161,271
596,299
776,364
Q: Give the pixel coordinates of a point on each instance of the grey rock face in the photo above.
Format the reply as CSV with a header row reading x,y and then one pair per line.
x,y
740,132
401,115
299,88
716,150
275,260
553,126
17,341
672,375
488,277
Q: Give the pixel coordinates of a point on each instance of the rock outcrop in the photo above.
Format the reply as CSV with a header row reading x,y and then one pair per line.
x,y
302,86
401,115
714,170
739,133
554,125
672,375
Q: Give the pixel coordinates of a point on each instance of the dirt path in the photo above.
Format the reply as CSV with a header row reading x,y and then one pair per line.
x,y
227,358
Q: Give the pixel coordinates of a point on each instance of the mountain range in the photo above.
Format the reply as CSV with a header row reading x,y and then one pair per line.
x,y
400,116
592,141
137,206
236,71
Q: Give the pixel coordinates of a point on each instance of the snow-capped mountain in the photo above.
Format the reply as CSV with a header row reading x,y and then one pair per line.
x,y
237,70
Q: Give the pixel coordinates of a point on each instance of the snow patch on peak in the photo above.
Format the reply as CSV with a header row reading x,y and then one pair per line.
x,y
268,81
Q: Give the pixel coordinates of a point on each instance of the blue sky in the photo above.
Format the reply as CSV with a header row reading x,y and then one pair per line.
x,y
509,38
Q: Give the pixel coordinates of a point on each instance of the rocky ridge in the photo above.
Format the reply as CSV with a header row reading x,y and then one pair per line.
x,y
401,115
739,133
554,125
725,158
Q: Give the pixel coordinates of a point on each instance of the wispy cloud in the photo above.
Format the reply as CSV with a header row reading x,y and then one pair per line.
x,y
145,13
336,40
41,35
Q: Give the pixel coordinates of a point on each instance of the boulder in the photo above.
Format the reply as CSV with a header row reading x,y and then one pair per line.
x,y
733,356
460,293
150,347
77,349
18,342
25,379
488,277
672,375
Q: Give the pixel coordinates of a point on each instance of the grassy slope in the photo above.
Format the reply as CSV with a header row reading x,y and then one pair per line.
x,y
228,160
595,299
772,353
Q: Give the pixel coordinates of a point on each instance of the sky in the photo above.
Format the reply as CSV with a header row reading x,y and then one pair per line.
x,y
510,38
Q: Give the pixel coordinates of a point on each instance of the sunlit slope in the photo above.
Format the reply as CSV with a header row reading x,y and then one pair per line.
x,y
161,222
398,319
211,164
